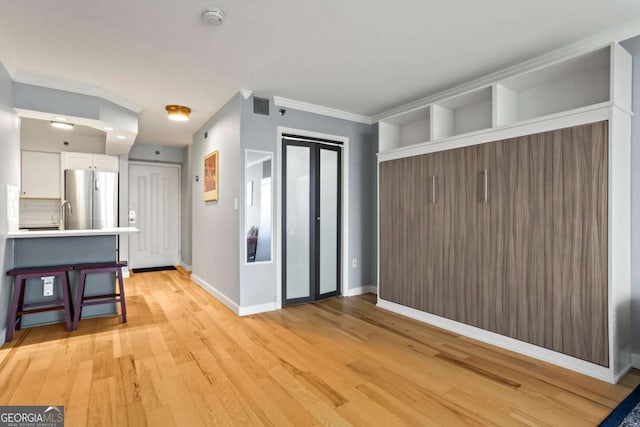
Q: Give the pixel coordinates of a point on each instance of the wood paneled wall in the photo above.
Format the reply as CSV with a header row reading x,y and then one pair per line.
x,y
529,262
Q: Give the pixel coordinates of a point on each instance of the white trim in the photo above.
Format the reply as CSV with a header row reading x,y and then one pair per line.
x,y
325,111
3,336
186,267
345,203
126,273
521,347
35,80
635,360
246,93
360,291
583,46
260,308
240,311
216,294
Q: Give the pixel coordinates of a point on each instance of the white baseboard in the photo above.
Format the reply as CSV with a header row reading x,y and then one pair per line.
x,y
216,294
240,311
125,273
350,292
546,355
635,360
260,308
3,336
187,267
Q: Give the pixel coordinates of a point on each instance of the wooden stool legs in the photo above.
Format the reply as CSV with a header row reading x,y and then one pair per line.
x,y
18,308
82,300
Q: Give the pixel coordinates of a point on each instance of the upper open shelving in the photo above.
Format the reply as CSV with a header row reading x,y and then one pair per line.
x,y
592,79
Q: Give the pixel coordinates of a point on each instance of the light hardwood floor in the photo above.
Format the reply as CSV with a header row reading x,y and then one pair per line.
x,y
185,359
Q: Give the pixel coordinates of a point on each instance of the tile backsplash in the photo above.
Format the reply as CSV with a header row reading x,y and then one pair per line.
x,y
34,212
13,195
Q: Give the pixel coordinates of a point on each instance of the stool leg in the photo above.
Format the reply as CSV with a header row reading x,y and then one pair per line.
x,y
123,304
13,309
79,296
64,284
23,285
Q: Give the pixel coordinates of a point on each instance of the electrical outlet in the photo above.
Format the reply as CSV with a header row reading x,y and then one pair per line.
x,y
354,263
47,286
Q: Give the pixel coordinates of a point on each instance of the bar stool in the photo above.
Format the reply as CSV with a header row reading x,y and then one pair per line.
x,y
81,300
18,308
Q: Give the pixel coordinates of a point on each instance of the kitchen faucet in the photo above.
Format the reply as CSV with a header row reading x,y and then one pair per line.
x,y
64,207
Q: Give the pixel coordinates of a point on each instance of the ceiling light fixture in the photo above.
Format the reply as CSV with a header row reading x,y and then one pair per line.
x,y
60,119
108,128
60,125
122,137
178,113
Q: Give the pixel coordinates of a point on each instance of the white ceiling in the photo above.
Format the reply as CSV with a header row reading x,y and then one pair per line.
x,y
360,56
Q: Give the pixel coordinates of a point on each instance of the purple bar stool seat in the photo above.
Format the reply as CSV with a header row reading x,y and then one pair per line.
x,y
18,308
82,300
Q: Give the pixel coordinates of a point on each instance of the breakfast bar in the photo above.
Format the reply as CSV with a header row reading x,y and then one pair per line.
x,y
66,247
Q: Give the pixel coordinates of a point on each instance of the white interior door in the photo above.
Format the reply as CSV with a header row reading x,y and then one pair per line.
x,y
154,208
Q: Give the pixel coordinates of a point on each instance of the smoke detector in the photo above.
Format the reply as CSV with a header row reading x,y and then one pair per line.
x,y
213,16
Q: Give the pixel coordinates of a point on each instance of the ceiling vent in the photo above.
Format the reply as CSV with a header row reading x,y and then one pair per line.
x,y
261,106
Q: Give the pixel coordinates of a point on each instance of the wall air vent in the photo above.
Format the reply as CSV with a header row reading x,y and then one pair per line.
x,y
261,106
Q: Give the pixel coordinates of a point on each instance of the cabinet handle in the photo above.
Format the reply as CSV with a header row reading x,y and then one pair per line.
x,y
433,189
486,185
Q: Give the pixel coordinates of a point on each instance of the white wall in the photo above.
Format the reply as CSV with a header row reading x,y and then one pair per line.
x,y
216,225
633,46
9,175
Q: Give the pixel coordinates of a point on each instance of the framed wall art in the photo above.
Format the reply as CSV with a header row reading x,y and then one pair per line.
x,y
211,177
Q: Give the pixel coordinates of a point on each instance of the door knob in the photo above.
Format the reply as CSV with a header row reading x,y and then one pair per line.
x,y
132,217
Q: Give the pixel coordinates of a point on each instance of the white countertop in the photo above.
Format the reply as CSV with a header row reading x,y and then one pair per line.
x,y
71,233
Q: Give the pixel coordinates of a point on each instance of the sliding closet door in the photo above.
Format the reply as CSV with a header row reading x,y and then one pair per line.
x,y
329,197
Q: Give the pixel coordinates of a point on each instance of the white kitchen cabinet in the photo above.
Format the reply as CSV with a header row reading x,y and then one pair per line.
x,y
87,161
40,175
105,163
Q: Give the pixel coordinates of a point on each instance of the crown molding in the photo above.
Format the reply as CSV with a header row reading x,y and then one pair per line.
x,y
32,79
600,40
318,109
246,93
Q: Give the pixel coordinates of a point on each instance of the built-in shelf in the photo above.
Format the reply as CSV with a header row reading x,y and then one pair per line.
x,y
410,128
462,114
571,84
588,80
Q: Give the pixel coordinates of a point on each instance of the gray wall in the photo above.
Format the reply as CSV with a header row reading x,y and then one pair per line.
x,y
9,175
216,224
174,155
259,281
633,46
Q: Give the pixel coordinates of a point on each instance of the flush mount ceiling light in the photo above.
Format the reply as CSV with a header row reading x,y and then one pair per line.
x,y
178,113
60,125
108,128
122,137
60,119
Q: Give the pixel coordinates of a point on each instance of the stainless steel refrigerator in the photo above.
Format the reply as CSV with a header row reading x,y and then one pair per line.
x,y
93,197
